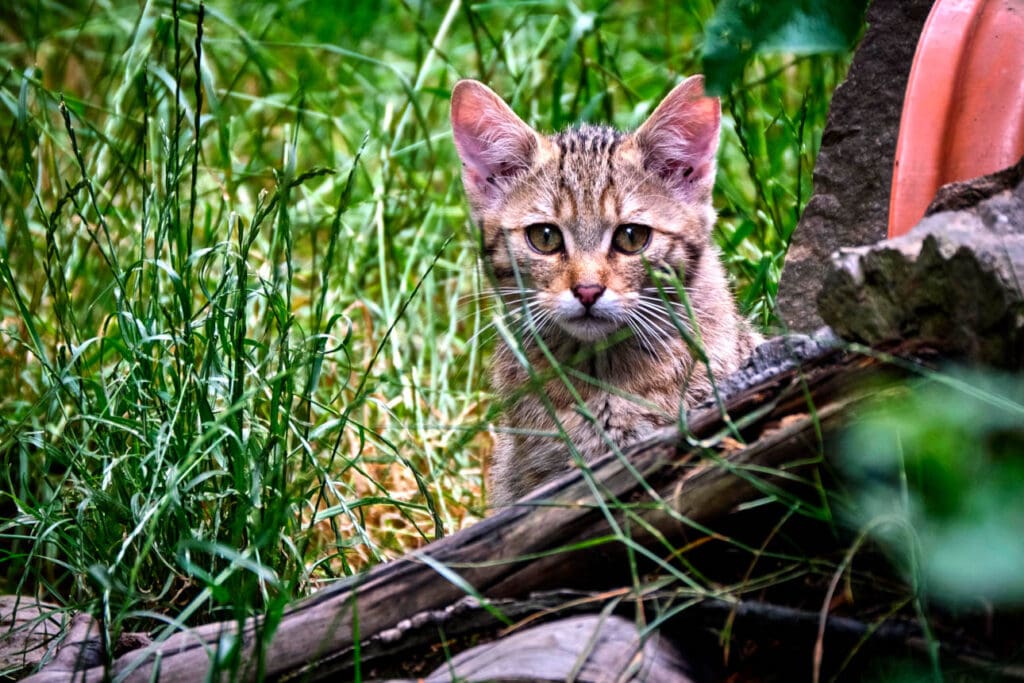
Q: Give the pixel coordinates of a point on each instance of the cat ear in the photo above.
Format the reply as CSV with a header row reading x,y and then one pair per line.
x,y
493,143
680,139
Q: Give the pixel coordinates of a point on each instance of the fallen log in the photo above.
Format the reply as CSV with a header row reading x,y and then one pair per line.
x,y
645,503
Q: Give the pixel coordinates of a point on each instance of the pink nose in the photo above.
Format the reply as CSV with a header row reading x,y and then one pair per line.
x,y
588,294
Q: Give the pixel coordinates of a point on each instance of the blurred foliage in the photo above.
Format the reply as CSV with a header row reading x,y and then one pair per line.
x,y
937,479
741,29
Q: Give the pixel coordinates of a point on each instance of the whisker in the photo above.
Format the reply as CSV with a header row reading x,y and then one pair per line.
x,y
489,327
640,335
659,336
678,305
659,315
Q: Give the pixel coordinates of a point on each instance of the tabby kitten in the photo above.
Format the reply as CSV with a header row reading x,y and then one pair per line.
x,y
587,233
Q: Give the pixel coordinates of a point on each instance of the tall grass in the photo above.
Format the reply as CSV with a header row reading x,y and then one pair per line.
x,y
240,350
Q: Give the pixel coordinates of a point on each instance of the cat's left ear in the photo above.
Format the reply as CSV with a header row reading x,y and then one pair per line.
x,y
679,140
493,143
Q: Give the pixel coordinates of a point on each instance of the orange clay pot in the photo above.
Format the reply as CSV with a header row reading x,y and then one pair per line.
x,y
963,114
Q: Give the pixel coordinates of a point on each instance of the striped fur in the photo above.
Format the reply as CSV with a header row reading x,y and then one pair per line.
x,y
625,355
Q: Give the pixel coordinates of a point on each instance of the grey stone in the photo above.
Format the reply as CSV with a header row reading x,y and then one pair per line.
x,y
956,279
27,631
595,648
853,172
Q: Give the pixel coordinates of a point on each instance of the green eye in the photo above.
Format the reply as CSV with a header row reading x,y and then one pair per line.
x,y
631,238
545,238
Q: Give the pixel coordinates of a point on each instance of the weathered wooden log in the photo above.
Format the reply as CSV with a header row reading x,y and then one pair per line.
x,y
660,489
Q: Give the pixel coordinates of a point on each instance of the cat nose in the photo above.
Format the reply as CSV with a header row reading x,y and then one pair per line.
x,y
588,294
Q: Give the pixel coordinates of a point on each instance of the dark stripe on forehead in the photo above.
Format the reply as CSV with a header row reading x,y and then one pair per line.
x,y
588,139
609,186
571,196
563,152
613,144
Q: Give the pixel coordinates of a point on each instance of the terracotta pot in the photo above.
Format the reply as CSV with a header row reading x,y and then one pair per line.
x,y
963,114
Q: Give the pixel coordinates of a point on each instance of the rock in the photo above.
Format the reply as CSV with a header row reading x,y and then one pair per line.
x,y
590,648
957,278
27,628
853,172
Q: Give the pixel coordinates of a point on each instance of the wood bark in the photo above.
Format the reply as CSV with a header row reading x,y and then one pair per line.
x,y
660,490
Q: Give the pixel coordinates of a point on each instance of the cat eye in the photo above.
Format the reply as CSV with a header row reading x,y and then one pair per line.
x,y
631,238
545,238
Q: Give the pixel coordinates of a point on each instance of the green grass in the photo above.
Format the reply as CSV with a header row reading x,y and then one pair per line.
x,y
239,348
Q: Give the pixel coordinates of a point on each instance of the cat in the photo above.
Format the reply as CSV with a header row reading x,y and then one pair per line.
x,y
588,235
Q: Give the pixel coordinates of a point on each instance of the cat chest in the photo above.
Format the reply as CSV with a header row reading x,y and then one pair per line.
x,y
593,424
607,399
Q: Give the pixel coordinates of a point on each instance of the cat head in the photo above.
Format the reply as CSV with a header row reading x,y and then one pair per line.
x,y
574,224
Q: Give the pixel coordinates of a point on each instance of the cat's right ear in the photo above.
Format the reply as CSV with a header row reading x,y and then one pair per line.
x,y
493,143
679,140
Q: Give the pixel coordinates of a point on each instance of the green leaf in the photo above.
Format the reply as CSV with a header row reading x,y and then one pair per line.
x,y
741,29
